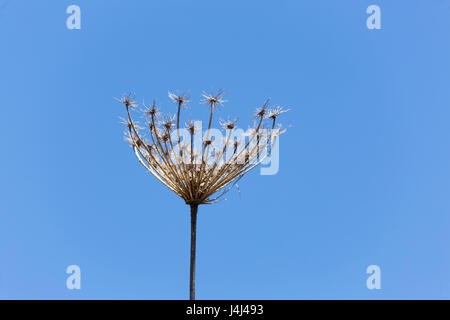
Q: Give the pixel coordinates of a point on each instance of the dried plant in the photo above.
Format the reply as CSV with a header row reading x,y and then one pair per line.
x,y
198,174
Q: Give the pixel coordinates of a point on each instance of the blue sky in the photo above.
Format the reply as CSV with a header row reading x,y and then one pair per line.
x,y
364,167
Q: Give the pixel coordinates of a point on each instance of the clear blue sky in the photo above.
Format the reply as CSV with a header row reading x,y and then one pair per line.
x,y
364,168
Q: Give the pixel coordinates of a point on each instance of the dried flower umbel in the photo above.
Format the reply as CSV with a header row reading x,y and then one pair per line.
x,y
198,174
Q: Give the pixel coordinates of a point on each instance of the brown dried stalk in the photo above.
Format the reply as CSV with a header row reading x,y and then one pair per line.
x,y
198,176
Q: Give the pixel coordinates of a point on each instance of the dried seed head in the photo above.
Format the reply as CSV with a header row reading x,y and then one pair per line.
x,y
261,112
128,100
174,165
153,111
229,124
190,126
126,122
169,122
181,99
213,99
275,112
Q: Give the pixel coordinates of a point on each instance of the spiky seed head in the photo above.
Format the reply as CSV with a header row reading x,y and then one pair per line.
x,y
128,100
275,112
261,112
190,126
153,111
126,122
169,122
181,99
229,124
214,99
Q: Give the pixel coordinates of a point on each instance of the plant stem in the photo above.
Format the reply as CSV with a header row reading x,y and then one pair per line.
x,y
194,208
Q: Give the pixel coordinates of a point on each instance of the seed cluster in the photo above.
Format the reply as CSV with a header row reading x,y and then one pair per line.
x,y
198,175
